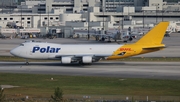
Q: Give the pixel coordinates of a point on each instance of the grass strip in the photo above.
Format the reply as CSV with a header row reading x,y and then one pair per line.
x,y
36,85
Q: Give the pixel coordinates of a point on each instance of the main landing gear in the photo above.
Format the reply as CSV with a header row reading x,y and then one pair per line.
x,y
81,63
27,63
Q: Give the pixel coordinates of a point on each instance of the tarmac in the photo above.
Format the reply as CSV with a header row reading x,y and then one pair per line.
x,y
152,70
157,70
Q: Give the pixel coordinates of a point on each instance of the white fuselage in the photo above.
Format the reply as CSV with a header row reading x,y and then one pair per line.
x,y
35,50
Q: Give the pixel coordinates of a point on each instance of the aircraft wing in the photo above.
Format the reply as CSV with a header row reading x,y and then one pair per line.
x,y
81,55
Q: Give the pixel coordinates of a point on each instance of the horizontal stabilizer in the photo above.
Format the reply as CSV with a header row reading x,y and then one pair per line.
x,y
154,47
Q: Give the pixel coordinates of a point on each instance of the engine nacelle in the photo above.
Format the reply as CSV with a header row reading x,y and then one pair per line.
x,y
66,60
87,59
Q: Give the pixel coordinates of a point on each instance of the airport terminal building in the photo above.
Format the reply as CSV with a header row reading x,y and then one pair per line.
x,y
46,13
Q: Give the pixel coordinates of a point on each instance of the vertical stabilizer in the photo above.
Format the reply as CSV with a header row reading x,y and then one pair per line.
x,y
154,36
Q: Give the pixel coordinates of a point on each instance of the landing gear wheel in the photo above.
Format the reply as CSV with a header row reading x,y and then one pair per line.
x,y
80,62
27,62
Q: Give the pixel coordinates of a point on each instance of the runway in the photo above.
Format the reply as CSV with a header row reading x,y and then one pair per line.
x,y
154,70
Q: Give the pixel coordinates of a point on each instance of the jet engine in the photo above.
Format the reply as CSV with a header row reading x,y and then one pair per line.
x,y
66,60
87,59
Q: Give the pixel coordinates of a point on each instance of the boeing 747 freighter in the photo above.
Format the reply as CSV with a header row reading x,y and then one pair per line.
x,y
85,54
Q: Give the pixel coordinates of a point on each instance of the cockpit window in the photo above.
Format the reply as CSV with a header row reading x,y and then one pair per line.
x,y
21,44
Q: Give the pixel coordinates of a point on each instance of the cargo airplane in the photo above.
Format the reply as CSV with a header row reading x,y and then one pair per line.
x,y
86,54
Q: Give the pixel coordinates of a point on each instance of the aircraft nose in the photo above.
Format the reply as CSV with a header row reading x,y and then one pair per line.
x,y
14,52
